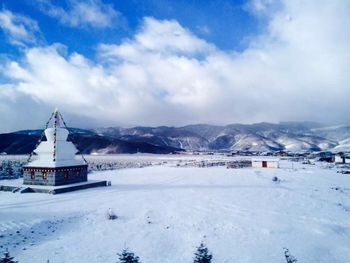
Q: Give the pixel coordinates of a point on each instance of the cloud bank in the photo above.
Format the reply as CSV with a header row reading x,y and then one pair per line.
x,y
297,69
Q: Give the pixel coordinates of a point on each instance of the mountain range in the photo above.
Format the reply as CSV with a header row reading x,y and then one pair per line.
x,y
260,137
287,136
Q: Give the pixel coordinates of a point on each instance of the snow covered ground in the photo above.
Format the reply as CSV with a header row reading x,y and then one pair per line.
x,y
165,212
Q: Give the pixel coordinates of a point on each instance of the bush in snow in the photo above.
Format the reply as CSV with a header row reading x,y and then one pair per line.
x,y
289,257
202,255
128,257
7,258
275,179
110,215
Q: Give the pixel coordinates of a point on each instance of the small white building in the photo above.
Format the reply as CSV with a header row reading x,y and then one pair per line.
x,y
265,163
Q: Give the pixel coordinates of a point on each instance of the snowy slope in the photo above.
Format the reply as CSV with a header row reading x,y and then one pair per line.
x,y
337,133
164,213
244,142
343,145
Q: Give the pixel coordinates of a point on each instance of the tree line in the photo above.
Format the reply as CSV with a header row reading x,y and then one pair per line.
x,y
201,255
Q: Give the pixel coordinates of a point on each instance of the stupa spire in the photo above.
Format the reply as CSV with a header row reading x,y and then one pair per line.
x,y
57,116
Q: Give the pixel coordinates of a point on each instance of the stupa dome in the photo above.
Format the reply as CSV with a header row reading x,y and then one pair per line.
x,y
61,134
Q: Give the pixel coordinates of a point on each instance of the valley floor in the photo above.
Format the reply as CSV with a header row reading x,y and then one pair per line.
x,y
166,212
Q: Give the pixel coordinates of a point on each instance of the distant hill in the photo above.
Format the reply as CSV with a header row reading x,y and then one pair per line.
x,y
23,142
13,143
260,137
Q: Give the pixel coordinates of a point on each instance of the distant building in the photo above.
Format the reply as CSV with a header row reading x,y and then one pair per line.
x,y
265,163
341,158
56,163
281,153
325,156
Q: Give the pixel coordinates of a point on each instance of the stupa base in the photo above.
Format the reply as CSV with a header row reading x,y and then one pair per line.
x,y
54,176
18,186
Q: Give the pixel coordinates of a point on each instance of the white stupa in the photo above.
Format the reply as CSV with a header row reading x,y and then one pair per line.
x,y
56,163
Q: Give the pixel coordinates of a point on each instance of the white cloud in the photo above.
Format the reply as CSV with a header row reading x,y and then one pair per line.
x,y
169,36
18,29
204,30
262,6
92,13
296,70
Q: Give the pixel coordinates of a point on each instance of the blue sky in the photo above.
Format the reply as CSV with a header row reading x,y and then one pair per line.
x,y
125,63
227,24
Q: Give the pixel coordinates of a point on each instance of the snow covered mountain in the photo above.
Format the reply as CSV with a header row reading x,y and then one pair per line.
x,y
290,136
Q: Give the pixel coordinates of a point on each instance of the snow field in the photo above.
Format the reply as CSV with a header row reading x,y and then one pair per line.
x,y
165,212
